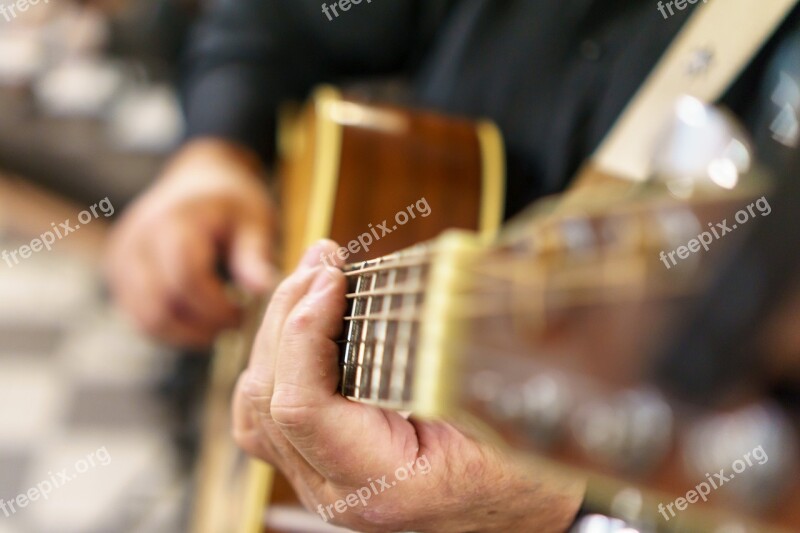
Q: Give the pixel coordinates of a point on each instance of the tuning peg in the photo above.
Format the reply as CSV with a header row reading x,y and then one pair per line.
x,y
545,406
540,406
596,523
755,450
630,431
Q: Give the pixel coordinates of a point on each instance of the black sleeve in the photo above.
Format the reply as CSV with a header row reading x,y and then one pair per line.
x,y
245,57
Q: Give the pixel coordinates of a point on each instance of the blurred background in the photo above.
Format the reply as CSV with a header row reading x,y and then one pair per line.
x,y
88,111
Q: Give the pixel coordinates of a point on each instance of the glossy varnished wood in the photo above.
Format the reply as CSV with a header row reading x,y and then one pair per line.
x,y
394,161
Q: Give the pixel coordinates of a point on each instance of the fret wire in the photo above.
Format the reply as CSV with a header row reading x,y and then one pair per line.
x,y
357,347
351,347
363,349
365,368
399,291
374,341
570,294
381,268
353,331
531,307
381,331
356,343
404,337
422,250
394,317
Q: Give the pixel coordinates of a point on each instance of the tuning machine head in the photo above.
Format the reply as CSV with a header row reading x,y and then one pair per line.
x,y
750,453
631,430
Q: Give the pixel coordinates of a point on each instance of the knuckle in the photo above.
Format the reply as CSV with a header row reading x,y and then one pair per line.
x,y
299,321
288,407
288,416
243,438
256,391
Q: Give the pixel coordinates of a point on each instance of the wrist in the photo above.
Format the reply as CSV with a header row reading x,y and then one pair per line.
x,y
517,496
550,503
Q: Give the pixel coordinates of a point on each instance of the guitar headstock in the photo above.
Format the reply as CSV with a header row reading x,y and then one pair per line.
x,y
563,356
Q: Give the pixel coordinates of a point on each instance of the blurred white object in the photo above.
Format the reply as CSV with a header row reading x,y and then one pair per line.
x,y
22,57
75,31
786,126
47,34
147,119
79,88
35,14
703,146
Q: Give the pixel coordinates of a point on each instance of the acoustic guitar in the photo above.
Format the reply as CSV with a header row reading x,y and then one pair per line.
x,y
545,337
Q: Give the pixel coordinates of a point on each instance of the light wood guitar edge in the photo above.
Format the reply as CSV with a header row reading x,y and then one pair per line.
x,y
325,178
326,166
493,195
433,390
259,481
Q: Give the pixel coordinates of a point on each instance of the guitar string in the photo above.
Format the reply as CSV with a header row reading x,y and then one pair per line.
x,y
422,257
537,310
398,358
561,283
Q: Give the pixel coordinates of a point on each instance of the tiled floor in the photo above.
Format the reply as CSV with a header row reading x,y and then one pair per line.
x,y
79,390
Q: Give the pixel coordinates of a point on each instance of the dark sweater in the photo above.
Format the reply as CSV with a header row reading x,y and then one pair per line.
x,y
554,74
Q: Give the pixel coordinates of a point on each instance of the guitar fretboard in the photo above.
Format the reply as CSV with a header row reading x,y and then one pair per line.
x,y
382,326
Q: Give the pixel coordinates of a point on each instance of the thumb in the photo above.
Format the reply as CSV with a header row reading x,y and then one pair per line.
x,y
250,259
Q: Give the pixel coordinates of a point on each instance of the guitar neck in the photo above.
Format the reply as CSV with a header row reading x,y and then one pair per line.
x,y
401,304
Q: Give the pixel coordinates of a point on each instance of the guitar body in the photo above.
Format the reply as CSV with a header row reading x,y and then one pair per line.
x,y
376,179
348,166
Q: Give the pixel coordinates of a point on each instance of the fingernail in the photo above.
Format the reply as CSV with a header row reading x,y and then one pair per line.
x,y
315,255
324,277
